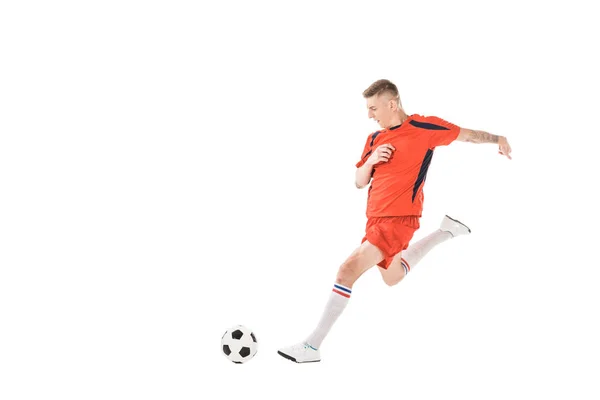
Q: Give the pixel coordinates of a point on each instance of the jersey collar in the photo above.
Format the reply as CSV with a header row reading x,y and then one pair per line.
x,y
393,128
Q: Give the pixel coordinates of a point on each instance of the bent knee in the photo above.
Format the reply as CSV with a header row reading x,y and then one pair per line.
x,y
390,282
391,279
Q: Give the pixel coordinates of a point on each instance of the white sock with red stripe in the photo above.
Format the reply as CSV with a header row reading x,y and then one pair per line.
x,y
336,304
415,252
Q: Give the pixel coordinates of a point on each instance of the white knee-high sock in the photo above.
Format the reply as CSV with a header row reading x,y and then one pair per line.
x,y
416,251
337,302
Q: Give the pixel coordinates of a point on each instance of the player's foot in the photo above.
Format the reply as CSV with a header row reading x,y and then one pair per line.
x,y
454,226
301,353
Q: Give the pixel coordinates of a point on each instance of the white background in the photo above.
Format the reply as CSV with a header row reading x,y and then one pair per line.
x,y
170,169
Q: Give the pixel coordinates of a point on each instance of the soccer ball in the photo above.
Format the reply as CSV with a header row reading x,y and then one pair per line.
x,y
239,344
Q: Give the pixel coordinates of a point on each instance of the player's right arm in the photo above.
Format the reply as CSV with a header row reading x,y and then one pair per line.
x,y
363,175
365,172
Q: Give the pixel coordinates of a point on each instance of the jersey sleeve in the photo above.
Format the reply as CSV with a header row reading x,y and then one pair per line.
x,y
365,154
441,132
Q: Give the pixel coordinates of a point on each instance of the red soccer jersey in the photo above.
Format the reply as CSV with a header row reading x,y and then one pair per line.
x,y
397,185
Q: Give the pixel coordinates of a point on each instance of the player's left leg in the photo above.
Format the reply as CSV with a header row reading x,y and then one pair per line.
x,y
361,259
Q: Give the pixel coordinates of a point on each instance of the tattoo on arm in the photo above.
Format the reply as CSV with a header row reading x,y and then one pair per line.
x,y
482,137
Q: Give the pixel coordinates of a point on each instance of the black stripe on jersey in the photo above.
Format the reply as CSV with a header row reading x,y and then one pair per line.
x,y
373,138
426,125
422,172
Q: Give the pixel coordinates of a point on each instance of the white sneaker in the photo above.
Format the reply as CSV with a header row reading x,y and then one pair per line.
x,y
301,353
453,226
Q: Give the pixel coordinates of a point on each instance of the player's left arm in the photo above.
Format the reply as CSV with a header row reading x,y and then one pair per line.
x,y
473,136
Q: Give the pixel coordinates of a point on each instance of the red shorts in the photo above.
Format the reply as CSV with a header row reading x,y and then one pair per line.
x,y
391,235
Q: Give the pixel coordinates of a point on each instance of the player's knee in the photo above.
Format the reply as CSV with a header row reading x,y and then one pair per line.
x,y
345,276
392,280
389,281
347,273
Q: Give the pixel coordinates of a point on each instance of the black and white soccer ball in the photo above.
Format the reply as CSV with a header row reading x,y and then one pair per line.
x,y
239,344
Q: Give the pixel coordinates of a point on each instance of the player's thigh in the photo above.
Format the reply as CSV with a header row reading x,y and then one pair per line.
x,y
362,258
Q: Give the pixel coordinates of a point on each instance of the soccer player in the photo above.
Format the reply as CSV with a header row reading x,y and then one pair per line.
x,y
394,161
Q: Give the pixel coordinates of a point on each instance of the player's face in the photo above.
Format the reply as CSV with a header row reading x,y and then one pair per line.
x,y
381,110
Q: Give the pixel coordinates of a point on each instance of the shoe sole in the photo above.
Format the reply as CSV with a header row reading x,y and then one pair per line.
x,y
458,222
293,359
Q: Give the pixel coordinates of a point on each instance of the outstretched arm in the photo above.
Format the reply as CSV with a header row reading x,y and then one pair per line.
x,y
473,136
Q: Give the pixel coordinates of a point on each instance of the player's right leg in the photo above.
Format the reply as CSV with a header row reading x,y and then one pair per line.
x,y
403,262
361,259
396,271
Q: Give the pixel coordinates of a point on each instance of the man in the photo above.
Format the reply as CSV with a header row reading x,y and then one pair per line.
x,y
395,162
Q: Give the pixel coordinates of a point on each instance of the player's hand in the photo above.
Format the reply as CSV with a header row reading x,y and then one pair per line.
x,y
504,147
381,154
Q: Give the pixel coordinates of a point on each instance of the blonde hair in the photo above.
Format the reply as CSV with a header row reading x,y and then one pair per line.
x,y
383,86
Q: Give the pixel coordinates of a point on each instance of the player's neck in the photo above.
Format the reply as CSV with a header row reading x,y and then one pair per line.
x,y
398,118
